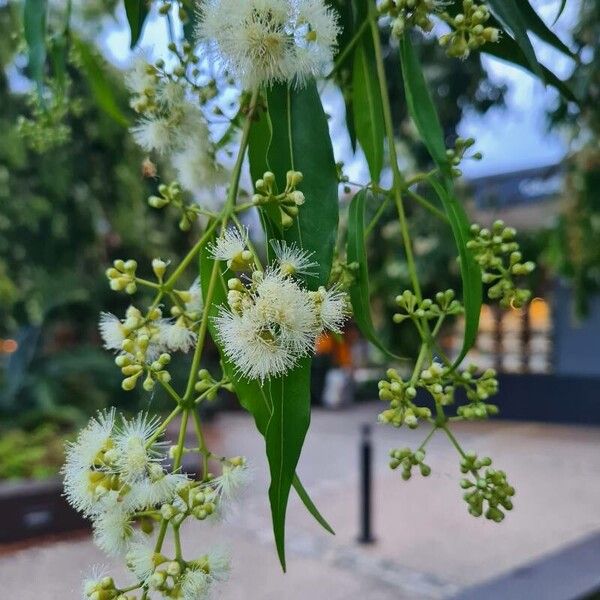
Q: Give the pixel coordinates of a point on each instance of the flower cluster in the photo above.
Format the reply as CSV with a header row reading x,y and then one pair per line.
x,y
144,341
115,474
171,125
271,320
266,41
500,259
114,471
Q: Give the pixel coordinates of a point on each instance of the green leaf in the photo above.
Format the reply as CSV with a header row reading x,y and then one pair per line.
x,y
561,8
368,108
356,253
288,425
301,142
512,18
34,24
252,395
137,12
189,27
420,105
469,269
102,88
422,110
536,25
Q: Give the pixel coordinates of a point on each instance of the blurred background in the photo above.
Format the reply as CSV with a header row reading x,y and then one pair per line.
x,y
73,190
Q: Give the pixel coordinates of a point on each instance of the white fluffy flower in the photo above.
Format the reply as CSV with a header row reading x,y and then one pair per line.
x,y
82,463
271,334
195,304
113,530
232,481
171,94
230,246
111,331
177,337
140,558
141,78
266,41
133,460
219,564
197,169
293,260
154,134
315,34
155,490
93,581
332,308
195,584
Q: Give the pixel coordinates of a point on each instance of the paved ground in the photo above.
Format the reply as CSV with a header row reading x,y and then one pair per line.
x,y
427,546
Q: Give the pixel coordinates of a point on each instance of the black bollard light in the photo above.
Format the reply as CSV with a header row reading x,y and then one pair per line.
x,y
366,533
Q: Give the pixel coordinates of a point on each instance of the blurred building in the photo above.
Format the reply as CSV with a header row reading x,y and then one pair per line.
x,y
546,337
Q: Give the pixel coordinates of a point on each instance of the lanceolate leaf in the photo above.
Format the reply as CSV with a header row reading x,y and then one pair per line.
x,y
301,142
512,18
34,24
420,105
422,110
561,8
257,399
367,107
101,87
137,11
290,396
356,253
537,26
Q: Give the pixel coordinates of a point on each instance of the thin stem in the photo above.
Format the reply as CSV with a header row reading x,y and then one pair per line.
x,y
454,441
202,443
190,256
227,213
377,216
428,205
341,57
163,426
399,182
429,436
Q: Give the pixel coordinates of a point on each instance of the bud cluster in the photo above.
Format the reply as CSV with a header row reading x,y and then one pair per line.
x,y
104,589
469,31
140,345
410,13
478,389
400,394
426,310
208,387
343,275
457,154
408,460
289,202
122,276
172,195
499,256
488,493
